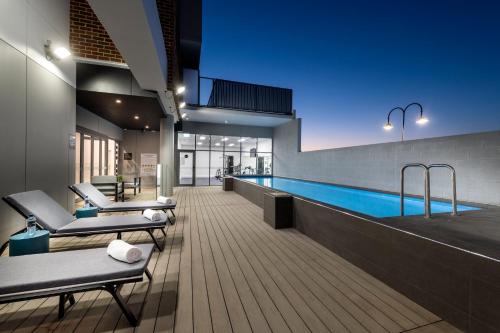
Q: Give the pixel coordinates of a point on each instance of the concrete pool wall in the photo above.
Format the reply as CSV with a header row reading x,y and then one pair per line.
x,y
459,286
476,158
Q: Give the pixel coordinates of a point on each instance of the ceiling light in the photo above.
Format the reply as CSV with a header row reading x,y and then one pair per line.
x,y
225,122
202,138
136,117
231,144
180,90
183,115
217,144
187,118
225,139
118,101
242,140
186,135
146,127
182,105
422,120
200,143
388,126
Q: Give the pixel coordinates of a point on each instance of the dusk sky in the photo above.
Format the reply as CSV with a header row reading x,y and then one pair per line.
x,y
349,62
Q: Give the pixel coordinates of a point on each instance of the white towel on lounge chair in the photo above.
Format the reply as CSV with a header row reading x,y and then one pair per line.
x,y
164,200
123,251
154,215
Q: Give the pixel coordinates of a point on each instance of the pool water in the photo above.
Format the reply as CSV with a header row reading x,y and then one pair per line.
x,y
376,204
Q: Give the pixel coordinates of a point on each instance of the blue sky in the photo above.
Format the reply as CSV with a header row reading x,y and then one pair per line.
x,y
349,62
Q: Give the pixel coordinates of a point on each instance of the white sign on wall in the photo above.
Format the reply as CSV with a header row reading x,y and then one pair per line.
x,y
148,164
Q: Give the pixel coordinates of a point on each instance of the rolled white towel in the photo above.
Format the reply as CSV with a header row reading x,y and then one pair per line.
x,y
164,200
154,215
123,251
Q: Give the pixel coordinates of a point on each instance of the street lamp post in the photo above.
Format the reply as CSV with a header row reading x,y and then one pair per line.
x,y
421,120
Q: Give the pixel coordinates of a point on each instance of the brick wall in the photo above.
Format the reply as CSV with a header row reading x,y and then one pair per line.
x,y
88,38
167,10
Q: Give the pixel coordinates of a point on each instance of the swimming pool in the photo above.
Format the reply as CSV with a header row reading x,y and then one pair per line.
x,y
376,204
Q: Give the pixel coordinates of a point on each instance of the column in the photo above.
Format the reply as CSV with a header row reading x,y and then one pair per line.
x,y
167,155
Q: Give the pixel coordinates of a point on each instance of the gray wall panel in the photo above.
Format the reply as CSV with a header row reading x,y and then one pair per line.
x,y
12,134
476,158
137,143
91,121
48,129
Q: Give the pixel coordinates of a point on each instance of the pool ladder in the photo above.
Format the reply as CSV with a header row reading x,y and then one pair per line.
x,y
427,186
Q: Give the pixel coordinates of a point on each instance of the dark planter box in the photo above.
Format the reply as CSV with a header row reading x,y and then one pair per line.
x,y
227,183
278,210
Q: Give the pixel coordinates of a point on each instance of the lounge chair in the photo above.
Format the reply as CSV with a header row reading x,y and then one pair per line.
x,y
108,185
64,273
60,223
100,201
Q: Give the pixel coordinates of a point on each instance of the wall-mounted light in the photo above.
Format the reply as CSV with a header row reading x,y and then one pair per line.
x,y
182,105
180,90
55,53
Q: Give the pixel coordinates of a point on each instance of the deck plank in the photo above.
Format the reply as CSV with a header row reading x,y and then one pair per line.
x,y
224,270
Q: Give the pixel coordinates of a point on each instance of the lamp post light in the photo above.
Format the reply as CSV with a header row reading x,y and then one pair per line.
x,y
421,120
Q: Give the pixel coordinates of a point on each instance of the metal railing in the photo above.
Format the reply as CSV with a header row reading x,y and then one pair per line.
x,y
427,186
245,96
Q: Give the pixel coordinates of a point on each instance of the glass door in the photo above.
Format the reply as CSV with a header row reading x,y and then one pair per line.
x,y
186,168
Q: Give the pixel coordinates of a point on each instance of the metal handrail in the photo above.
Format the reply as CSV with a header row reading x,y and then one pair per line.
x,y
453,184
427,191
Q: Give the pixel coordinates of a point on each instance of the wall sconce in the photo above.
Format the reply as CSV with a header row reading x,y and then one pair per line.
x,y
57,53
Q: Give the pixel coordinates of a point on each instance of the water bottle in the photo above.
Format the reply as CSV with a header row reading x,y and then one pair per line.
x,y
87,203
31,225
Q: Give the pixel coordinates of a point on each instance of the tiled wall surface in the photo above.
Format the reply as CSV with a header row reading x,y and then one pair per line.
x,y
476,158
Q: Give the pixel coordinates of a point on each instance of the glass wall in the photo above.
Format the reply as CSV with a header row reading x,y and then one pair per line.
x,y
94,156
216,156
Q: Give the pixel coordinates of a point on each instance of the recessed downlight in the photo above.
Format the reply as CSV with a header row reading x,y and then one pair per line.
x,y
118,101
202,138
136,117
217,144
186,135
225,139
146,127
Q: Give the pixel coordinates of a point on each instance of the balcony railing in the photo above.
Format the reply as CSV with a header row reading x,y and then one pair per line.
x,y
227,94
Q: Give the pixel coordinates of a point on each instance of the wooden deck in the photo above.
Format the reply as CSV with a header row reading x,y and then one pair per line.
x,y
223,269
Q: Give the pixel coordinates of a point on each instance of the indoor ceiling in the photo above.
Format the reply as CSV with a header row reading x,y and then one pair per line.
x,y
122,114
